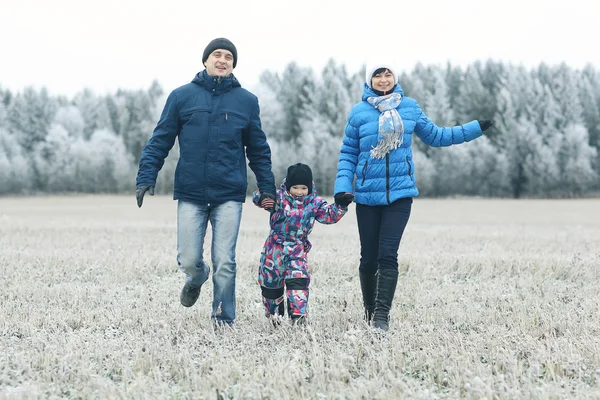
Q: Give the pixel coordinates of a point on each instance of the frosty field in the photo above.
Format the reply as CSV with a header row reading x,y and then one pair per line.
x,y
496,299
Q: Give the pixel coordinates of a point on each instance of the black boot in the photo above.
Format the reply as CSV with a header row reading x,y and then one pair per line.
x,y
386,287
368,286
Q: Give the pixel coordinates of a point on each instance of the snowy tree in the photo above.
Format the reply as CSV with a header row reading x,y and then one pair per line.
x,y
319,149
333,99
30,116
115,106
454,80
512,142
137,121
474,101
71,120
423,73
101,164
111,166
565,88
436,105
53,161
590,109
437,102
540,164
94,110
5,96
15,173
517,84
156,91
472,169
272,113
357,85
578,174
295,90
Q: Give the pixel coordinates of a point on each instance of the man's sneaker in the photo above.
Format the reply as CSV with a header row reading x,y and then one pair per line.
x,y
189,295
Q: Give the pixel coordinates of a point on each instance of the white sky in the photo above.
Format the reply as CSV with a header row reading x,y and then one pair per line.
x,y
67,45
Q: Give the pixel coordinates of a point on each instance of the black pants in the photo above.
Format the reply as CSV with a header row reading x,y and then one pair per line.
x,y
380,229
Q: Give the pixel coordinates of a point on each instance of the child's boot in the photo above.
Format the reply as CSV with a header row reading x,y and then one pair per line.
x,y
273,302
297,294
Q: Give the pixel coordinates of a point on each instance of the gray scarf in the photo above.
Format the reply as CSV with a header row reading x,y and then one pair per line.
x,y
391,128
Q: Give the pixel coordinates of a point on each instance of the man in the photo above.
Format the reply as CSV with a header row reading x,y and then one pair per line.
x,y
218,125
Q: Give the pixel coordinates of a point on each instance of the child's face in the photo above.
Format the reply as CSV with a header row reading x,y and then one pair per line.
x,y
299,190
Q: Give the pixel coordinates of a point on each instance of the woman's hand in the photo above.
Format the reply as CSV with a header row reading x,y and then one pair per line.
x,y
485,125
343,199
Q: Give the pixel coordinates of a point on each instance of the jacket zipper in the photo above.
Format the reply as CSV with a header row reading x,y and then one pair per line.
x,y
387,177
364,172
409,168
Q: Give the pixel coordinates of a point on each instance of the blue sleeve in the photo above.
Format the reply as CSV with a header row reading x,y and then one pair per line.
x,y
259,153
436,136
348,160
162,141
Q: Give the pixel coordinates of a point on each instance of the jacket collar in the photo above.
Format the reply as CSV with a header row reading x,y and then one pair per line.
x,y
368,92
215,83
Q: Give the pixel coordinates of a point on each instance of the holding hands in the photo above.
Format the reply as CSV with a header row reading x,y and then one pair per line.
x,y
343,199
266,201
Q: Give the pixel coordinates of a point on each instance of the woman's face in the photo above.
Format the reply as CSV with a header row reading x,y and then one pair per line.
x,y
384,81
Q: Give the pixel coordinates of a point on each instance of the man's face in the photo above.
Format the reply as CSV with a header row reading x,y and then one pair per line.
x,y
383,81
219,63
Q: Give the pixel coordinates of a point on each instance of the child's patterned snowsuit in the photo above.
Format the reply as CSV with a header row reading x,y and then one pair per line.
x,y
283,260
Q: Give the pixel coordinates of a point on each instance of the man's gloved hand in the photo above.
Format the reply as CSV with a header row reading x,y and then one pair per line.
x,y
343,199
140,191
485,125
266,201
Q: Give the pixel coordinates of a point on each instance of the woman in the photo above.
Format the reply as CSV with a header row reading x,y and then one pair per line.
x,y
377,150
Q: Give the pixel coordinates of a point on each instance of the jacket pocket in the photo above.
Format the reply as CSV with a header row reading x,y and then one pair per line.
x,y
409,168
195,117
227,114
364,172
192,110
231,129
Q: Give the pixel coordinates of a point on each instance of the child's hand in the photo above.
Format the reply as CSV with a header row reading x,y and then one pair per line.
x,y
266,201
343,199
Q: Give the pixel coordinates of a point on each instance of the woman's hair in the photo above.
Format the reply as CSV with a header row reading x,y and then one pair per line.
x,y
380,71
376,68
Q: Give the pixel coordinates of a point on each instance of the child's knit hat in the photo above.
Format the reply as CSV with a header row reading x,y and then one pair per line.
x,y
299,174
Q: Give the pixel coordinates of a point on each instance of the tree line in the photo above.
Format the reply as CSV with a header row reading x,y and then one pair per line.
x,y
544,144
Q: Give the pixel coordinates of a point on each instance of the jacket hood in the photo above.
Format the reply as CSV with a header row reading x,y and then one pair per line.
x,y
306,199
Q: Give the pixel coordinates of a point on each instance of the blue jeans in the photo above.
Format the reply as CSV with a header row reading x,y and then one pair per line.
x,y
192,221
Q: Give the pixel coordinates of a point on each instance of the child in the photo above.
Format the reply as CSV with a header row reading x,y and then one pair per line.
x,y
283,260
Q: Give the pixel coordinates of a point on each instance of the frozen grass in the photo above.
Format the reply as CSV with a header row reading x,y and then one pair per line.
x,y
496,299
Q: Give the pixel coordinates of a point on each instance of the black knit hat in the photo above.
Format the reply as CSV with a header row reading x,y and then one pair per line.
x,y
220,43
299,174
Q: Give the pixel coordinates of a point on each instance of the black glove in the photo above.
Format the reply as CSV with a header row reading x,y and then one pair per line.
x,y
343,199
485,125
140,191
266,201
